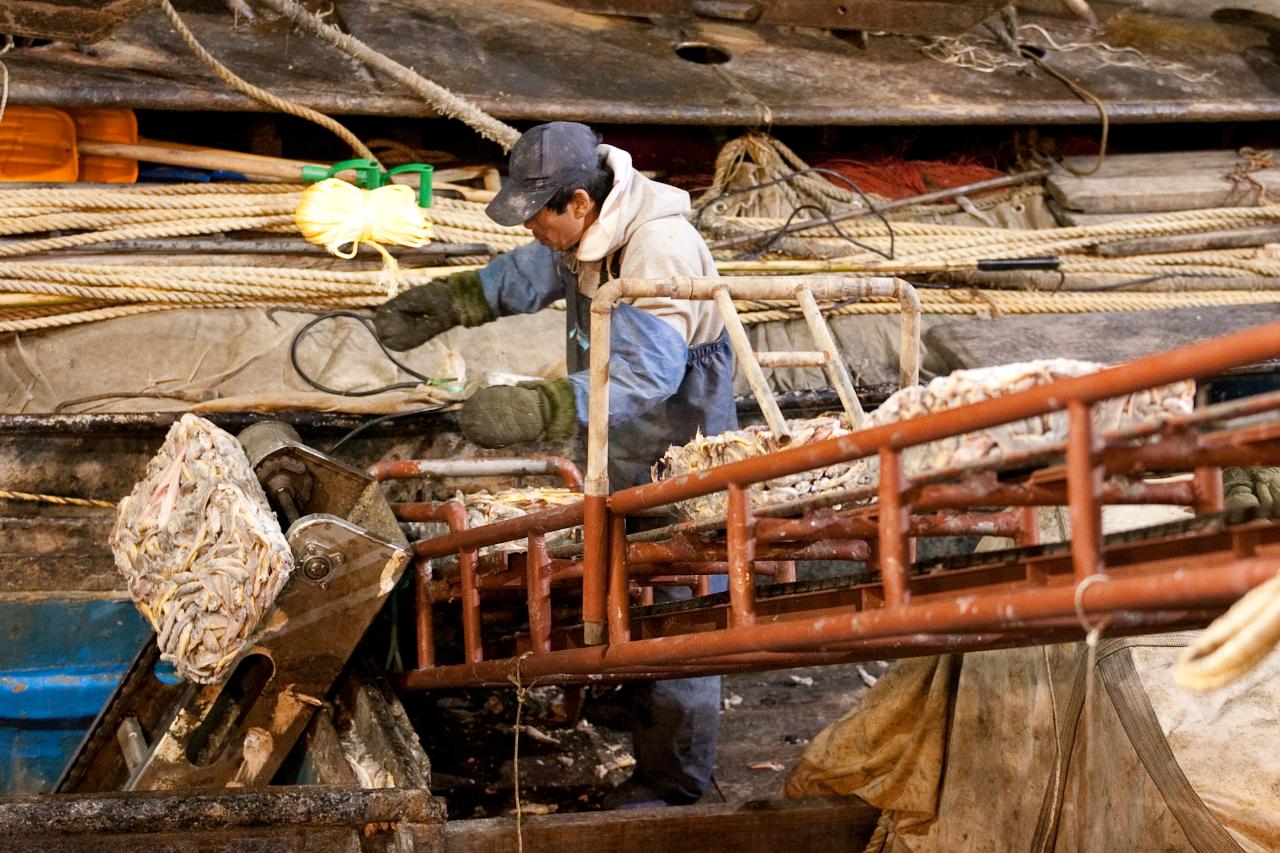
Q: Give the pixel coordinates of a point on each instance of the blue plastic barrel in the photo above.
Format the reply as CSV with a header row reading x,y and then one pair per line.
x,y
60,658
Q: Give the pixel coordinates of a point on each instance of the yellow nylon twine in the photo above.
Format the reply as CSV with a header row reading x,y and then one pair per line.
x,y
334,214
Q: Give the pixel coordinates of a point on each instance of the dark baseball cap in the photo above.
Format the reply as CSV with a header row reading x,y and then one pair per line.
x,y
545,159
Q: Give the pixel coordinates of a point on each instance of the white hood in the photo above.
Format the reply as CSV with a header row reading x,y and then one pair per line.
x,y
633,201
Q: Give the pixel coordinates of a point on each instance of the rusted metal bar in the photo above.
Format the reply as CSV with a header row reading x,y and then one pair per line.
x,y
424,613
538,592
619,598
560,518
407,469
1084,481
894,512
1029,529
1208,489
1198,360
965,524
595,568
741,552
1196,586
681,550
987,491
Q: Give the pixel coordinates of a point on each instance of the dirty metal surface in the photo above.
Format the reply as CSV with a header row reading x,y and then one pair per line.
x,y
541,61
342,576
894,16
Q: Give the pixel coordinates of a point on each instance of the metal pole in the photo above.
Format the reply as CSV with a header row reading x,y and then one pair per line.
x,y
741,536
1084,482
750,367
404,469
619,599
895,561
538,594
837,370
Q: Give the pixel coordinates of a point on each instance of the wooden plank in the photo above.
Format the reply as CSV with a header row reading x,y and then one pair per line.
x,y
538,61
755,827
1182,180
1231,238
1105,337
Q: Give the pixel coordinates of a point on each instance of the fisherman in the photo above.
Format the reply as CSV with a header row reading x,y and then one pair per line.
x,y
596,218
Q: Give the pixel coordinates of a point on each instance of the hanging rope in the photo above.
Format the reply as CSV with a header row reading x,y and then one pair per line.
x,y
440,98
262,95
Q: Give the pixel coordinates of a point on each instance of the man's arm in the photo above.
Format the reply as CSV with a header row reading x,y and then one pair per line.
x,y
520,282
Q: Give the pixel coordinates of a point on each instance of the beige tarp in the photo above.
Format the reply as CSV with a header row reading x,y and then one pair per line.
x,y
229,360
232,360
960,751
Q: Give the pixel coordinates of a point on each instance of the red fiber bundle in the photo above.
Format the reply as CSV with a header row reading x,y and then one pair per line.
x,y
893,178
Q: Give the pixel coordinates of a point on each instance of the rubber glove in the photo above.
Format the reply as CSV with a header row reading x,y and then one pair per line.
x,y
421,313
509,414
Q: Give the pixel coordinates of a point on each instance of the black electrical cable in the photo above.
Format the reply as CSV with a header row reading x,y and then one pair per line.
x,y
380,419
420,379
816,170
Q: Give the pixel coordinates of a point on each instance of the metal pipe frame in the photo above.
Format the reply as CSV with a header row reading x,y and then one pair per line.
x,y
1148,584
484,466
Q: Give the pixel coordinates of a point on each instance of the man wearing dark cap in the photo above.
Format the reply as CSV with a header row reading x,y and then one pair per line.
x,y
595,218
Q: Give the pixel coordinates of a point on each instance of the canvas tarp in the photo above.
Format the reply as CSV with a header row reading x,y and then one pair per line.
x,y
960,752
238,360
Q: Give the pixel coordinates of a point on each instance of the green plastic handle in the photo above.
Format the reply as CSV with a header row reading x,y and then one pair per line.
x,y
369,174
424,171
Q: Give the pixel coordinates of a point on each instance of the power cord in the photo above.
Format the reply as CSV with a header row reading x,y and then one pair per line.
x,y
420,379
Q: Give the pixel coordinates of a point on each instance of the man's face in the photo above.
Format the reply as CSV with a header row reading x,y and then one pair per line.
x,y
562,231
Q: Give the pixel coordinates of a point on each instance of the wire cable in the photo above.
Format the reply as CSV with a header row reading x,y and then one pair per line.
x,y
420,379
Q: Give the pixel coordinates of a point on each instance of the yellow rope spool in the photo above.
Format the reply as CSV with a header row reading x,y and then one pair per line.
x,y
334,214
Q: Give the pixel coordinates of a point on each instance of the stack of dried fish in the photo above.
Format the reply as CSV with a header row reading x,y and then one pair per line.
x,y
946,392
201,550
486,508
756,440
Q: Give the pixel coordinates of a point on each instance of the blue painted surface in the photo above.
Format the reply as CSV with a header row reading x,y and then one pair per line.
x,y
59,661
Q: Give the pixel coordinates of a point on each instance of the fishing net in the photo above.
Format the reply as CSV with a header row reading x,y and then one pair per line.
x,y
202,552
960,388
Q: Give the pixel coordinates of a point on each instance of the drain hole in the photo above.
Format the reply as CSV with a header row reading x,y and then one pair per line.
x,y
702,53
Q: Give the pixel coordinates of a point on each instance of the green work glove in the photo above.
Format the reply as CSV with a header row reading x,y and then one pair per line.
x,y
1266,486
421,313
1237,488
509,414
1247,489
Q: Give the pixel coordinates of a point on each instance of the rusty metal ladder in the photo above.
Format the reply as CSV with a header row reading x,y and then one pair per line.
x,y
827,356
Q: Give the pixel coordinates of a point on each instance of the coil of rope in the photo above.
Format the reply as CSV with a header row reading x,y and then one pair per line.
x,y
1235,643
334,214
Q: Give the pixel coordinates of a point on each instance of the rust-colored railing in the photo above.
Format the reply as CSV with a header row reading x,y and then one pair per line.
x,y
1173,580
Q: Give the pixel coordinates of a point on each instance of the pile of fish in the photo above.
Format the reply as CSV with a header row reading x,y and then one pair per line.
x,y
201,550
960,388
487,508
